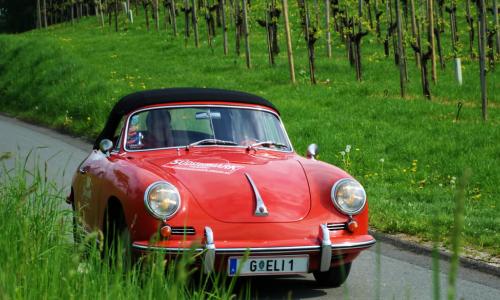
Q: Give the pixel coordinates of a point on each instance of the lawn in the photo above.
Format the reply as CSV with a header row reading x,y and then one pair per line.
x,y
408,153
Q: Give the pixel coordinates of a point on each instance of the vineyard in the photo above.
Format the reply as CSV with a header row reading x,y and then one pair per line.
x,y
411,86
433,33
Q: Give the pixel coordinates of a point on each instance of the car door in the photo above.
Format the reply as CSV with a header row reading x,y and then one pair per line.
x,y
95,175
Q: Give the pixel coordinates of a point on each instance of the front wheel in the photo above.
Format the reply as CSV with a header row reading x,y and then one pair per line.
x,y
117,242
334,277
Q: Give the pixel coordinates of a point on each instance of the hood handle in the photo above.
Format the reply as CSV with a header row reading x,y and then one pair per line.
x,y
260,208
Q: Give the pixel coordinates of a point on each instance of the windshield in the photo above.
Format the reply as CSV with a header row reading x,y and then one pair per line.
x,y
196,126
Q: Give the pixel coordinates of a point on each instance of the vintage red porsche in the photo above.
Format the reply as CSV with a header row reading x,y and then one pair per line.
x,y
214,170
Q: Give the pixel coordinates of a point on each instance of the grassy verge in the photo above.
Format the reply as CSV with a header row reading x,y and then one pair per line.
x,y
40,261
407,152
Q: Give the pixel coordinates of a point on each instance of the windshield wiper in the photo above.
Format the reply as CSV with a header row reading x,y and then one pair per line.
x,y
211,142
267,144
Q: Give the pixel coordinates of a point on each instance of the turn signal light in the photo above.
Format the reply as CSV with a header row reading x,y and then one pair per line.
x,y
352,226
166,231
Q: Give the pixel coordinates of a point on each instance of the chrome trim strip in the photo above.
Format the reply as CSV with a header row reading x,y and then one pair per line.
x,y
260,207
336,226
344,246
209,258
205,105
326,249
183,231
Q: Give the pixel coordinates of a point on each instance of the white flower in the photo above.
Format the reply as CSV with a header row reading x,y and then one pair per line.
x,y
342,153
382,160
83,268
348,148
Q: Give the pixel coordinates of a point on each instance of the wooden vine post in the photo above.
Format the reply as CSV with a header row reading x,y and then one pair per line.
x,y
156,15
327,29
452,10
145,4
38,15
310,39
45,14
288,41
497,25
224,25
208,20
101,12
268,37
187,10
390,27
195,24
401,56
356,39
377,19
116,15
481,7
238,20
414,30
173,16
246,31
470,22
430,20
438,28
424,58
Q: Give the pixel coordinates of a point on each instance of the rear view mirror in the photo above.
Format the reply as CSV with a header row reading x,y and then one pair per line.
x,y
208,115
312,151
105,146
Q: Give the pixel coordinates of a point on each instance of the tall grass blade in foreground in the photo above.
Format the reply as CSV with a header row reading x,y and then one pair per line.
x,y
457,233
38,259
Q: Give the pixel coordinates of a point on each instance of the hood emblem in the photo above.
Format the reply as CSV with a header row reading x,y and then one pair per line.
x,y
260,207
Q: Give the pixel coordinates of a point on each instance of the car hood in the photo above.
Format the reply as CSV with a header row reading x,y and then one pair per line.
x,y
220,185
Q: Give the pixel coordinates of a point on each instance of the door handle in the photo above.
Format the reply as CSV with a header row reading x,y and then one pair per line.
x,y
83,170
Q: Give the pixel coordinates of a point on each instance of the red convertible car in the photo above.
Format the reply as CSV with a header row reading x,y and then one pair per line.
x,y
214,171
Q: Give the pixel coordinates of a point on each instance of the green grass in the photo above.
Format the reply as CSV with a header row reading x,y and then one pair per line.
x,y
68,77
40,261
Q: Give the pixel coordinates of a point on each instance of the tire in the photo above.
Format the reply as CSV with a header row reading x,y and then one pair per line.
x,y
117,243
334,277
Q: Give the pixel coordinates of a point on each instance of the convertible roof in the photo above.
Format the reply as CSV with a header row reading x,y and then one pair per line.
x,y
140,99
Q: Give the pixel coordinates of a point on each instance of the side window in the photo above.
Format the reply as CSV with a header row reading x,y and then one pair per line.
x,y
117,136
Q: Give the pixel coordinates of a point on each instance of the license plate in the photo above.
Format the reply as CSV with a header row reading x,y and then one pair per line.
x,y
268,265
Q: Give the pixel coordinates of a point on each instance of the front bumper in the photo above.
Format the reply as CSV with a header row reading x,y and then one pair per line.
x,y
324,251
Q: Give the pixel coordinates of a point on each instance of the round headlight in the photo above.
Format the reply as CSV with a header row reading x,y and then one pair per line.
x,y
162,200
348,196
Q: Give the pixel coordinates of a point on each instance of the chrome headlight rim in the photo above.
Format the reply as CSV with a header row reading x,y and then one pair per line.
x,y
150,210
334,198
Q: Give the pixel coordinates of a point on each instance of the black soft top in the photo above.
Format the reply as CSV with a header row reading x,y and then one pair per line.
x,y
137,100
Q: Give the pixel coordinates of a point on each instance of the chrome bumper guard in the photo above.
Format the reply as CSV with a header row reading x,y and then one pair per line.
x,y
209,258
325,248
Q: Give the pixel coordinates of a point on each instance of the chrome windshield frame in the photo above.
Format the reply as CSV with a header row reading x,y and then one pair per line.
x,y
124,141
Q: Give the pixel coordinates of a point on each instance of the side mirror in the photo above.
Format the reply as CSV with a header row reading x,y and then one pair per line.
x,y
312,151
105,146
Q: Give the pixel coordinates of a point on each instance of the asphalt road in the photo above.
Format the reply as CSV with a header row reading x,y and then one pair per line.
x,y
384,272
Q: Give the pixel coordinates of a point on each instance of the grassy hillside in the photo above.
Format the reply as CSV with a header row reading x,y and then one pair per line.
x,y
408,153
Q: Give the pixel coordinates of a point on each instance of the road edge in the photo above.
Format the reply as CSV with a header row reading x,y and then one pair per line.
x,y
417,248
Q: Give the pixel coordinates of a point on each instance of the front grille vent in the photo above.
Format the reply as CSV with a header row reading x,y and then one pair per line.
x,y
183,231
336,226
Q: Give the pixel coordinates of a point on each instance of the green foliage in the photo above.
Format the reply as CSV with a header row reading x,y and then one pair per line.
x,y
69,77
